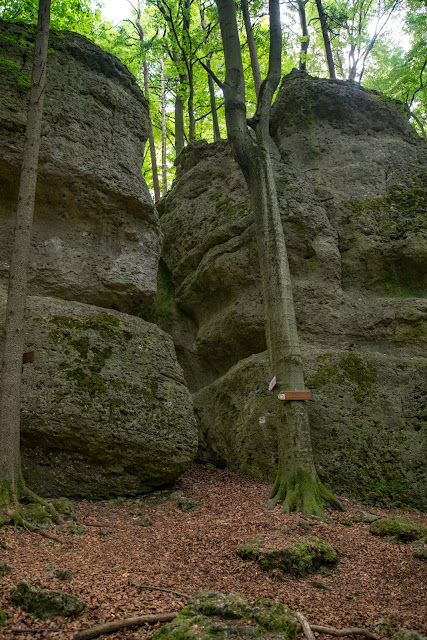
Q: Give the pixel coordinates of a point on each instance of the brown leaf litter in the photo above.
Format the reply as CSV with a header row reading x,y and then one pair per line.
x,y
183,552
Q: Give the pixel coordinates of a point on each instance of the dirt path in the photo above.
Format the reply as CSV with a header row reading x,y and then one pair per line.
x,y
186,551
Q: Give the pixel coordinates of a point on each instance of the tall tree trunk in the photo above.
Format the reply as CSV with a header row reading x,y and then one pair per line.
x,y
192,121
297,483
256,73
164,166
156,186
13,345
179,110
215,123
305,37
326,40
154,169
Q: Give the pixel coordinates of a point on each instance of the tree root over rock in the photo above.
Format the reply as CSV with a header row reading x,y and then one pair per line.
x,y
12,508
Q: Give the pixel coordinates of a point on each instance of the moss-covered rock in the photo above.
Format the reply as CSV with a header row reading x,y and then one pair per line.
x,y
38,515
304,556
188,504
63,574
408,634
212,615
400,529
420,549
106,411
5,569
46,603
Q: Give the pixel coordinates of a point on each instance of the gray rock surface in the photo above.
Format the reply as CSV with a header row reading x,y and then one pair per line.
x,y
351,176
96,236
105,411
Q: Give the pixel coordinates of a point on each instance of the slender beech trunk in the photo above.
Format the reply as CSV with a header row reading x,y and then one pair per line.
x,y
156,186
164,167
212,98
305,37
297,483
13,345
191,119
326,40
256,73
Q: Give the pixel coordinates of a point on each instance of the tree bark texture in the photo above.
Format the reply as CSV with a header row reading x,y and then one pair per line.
x,y
215,123
326,40
13,345
256,73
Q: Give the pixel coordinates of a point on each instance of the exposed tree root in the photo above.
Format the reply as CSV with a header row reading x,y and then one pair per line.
x,y
12,508
302,493
110,627
351,631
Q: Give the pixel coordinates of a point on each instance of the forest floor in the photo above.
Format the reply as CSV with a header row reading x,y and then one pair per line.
x,y
184,552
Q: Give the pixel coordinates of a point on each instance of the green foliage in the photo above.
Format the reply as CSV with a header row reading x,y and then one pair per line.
x,y
3,617
12,69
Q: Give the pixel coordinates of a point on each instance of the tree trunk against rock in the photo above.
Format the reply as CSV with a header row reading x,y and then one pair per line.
x,y
297,483
11,481
156,186
215,123
305,37
256,73
326,40
164,165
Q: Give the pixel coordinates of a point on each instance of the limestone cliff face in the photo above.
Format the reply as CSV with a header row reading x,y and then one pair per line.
x,y
351,178
96,233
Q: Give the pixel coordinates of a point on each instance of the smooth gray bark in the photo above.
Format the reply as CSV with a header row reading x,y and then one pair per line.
x,y
13,345
305,37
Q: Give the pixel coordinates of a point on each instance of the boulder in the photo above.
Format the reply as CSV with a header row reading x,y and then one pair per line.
x,y
229,617
46,604
105,408
351,178
366,422
96,235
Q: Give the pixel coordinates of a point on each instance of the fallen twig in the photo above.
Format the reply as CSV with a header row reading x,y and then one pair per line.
x,y
110,627
154,588
51,536
96,524
305,626
350,631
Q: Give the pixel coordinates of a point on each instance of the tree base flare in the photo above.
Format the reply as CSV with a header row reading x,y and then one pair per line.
x,y
303,493
16,503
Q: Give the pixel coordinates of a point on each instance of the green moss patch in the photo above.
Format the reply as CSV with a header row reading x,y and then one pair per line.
x,y
420,549
45,603
4,569
346,369
303,557
3,617
400,529
38,515
13,70
212,615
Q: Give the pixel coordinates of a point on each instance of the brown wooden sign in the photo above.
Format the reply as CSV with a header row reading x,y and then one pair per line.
x,y
294,395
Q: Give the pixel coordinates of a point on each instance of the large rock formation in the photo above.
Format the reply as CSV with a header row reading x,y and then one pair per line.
x,y
106,411
351,179
96,235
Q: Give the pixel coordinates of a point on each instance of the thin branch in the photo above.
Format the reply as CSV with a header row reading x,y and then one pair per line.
x,y
154,588
110,627
212,74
